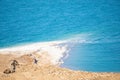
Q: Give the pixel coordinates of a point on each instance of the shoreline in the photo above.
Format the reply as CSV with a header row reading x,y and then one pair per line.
x,y
49,56
44,70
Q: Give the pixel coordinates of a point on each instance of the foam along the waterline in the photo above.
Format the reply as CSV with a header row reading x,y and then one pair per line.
x,y
53,49
32,46
79,38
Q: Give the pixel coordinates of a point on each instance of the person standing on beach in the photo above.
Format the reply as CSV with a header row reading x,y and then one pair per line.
x,y
35,60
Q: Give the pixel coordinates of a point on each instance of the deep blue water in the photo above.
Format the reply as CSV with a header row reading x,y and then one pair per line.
x,y
97,22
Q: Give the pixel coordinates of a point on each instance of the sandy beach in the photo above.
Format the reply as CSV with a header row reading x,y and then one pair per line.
x,y
44,69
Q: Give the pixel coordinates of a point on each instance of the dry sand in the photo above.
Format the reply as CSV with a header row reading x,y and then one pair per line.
x,y
27,70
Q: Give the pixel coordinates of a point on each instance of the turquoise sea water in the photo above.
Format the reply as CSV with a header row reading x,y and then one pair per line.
x,y
93,24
